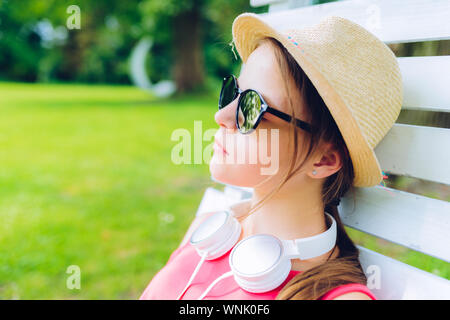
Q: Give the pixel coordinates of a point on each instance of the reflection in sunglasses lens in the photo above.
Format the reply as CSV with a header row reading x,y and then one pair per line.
x,y
249,109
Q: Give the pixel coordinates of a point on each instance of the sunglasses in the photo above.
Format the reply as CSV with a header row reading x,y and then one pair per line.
x,y
251,107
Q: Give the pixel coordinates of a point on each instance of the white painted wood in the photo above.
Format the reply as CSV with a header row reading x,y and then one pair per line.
x,y
279,6
260,3
214,200
413,221
416,151
238,193
391,21
426,83
289,4
400,281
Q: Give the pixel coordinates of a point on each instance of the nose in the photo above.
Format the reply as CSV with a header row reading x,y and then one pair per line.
x,y
226,117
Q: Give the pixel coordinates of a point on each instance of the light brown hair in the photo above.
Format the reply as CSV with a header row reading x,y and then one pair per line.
x,y
345,268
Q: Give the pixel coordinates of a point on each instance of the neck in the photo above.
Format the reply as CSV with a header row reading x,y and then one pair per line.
x,y
291,213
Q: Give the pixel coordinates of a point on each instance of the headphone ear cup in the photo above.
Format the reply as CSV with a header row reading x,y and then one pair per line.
x,y
215,236
258,263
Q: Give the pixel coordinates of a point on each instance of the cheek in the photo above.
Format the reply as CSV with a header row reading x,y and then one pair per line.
x,y
251,158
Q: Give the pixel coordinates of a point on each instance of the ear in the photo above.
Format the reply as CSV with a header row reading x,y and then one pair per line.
x,y
328,162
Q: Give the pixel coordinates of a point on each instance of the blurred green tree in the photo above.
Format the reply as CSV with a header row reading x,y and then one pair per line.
x,y
191,40
36,45
196,34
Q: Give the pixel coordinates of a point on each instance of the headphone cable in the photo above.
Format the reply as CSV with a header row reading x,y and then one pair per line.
x,y
197,268
223,276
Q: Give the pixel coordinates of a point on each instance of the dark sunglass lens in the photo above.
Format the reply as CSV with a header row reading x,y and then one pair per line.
x,y
228,92
248,111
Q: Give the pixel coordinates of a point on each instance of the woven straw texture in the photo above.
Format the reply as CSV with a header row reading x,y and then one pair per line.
x,y
355,73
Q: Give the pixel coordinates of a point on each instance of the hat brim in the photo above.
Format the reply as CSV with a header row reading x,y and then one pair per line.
x,y
248,29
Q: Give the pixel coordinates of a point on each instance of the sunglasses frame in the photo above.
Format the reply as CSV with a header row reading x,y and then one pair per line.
x,y
264,108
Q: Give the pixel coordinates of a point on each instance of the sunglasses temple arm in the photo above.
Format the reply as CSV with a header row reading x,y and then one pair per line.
x,y
301,124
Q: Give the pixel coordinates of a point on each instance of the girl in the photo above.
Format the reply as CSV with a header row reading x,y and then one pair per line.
x,y
331,92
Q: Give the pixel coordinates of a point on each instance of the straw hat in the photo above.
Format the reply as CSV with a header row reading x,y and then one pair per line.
x,y
354,72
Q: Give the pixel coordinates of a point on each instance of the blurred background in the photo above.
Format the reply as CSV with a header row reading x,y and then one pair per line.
x,y
87,109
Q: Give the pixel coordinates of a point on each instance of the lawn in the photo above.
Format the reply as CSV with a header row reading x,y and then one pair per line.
x,y
87,180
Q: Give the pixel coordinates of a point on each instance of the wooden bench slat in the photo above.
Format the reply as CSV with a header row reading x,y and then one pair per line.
x,y
260,3
416,151
388,20
400,281
411,220
425,85
212,200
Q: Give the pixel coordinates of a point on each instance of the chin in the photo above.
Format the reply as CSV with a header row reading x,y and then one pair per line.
x,y
221,172
237,175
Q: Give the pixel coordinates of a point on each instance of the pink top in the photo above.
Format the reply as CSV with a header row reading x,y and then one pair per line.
x,y
170,281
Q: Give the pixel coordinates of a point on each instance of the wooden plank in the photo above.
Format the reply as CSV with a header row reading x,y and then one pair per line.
x,y
260,3
411,220
416,151
238,193
399,281
388,20
289,4
425,85
212,200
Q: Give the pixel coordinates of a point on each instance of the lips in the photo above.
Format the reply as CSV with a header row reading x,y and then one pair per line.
x,y
220,146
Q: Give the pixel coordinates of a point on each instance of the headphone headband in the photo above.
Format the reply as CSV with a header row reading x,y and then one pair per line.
x,y
261,262
314,246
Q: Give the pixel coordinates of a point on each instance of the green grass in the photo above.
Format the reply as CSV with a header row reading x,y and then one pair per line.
x,y
87,179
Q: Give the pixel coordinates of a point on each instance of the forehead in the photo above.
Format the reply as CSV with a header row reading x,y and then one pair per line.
x,y
261,73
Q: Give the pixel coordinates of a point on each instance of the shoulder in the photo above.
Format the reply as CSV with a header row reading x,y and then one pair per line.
x,y
350,291
353,296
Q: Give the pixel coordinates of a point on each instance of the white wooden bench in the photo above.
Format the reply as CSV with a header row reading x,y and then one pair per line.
x,y
410,220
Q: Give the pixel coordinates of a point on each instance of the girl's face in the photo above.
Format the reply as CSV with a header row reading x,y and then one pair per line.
x,y
252,158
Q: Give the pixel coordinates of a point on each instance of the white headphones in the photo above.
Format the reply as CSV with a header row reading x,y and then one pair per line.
x,y
259,263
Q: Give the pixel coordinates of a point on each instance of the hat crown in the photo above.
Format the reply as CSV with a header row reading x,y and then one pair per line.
x,y
363,71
